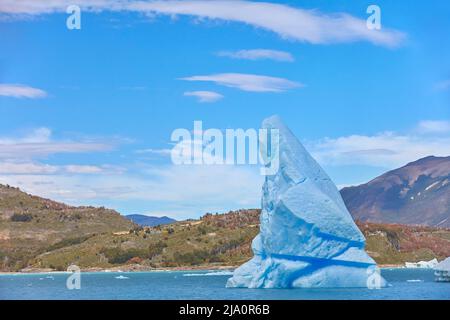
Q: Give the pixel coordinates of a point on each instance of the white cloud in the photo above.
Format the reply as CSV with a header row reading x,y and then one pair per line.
x,y
9,167
31,150
177,191
387,149
39,135
258,54
247,82
38,143
190,148
37,7
289,22
83,169
191,190
432,126
162,152
21,91
204,96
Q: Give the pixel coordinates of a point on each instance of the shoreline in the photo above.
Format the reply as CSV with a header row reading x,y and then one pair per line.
x,y
126,268
139,268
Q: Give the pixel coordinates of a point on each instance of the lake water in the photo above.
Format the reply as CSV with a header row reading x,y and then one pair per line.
x,y
404,284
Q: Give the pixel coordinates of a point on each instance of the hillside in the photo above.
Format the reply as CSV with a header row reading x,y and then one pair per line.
x,y
43,234
31,225
418,194
224,240
213,240
149,221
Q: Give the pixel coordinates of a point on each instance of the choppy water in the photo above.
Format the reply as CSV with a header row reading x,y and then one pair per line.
x,y
405,284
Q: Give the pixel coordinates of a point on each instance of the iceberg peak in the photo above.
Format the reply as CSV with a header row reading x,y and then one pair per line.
x,y
307,236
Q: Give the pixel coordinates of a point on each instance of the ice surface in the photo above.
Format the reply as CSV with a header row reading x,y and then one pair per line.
x,y
443,265
307,236
422,264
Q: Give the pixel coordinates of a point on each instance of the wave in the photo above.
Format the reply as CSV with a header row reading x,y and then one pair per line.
x,y
216,273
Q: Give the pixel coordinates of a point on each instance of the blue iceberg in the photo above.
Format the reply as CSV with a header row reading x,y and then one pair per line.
x,y
307,236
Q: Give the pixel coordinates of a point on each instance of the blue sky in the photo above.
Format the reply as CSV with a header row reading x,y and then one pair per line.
x,y
85,115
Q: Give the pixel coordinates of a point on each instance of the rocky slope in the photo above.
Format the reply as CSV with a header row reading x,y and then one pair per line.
x,y
418,193
40,233
224,240
31,225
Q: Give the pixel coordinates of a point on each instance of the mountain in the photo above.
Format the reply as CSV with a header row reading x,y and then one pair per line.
x,y
30,225
418,193
149,221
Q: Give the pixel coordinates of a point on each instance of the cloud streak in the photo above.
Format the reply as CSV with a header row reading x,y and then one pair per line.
x,y
288,22
21,91
204,96
247,82
434,126
386,149
23,168
258,54
178,191
39,144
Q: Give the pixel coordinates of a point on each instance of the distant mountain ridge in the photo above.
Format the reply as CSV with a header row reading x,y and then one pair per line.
x,y
417,193
149,221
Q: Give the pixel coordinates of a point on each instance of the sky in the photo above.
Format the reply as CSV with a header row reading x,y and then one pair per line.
x,y
86,115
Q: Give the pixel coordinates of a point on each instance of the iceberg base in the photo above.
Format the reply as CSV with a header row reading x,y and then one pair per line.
x,y
270,272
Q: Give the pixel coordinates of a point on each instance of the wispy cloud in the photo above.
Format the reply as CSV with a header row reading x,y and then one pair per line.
x,y
38,143
248,82
83,169
192,148
9,167
178,191
239,186
258,54
434,126
289,22
162,152
21,91
385,149
204,96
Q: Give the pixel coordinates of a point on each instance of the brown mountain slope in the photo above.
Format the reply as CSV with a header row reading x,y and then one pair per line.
x,y
30,225
225,240
418,193
41,233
